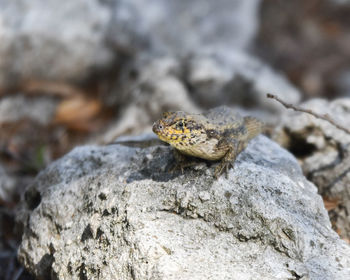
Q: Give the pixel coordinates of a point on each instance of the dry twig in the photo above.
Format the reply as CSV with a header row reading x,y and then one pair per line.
x,y
325,117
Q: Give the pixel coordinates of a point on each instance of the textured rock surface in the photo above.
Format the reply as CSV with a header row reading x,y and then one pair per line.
x,y
114,212
324,152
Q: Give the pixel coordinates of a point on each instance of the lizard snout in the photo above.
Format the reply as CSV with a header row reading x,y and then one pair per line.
x,y
157,127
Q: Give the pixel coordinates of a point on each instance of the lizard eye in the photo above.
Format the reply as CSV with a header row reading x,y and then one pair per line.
x,y
180,125
211,133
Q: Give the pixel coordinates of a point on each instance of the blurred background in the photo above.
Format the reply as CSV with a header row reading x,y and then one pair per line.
x,y
89,71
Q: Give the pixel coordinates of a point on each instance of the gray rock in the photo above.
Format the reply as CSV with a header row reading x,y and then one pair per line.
x,y
158,88
12,186
209,40
60,41
115,212
67,41
7,185
169,83
18,107
181,27
205,41
324,152
237,78
127,31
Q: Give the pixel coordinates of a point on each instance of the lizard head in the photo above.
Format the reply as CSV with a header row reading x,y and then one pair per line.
x,y
178,129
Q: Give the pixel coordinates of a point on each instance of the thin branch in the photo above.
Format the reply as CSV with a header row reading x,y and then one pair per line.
x,y
325,117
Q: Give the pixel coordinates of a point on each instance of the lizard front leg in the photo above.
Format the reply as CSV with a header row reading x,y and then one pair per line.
x,y
235,147
182,161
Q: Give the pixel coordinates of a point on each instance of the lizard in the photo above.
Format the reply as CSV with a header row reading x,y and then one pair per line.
x,y
217,134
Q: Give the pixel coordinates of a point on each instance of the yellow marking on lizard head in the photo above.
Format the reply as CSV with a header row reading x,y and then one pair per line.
x,y
178,129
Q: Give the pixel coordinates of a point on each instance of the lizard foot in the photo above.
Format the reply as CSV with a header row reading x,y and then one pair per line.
x,y
223,167
181,166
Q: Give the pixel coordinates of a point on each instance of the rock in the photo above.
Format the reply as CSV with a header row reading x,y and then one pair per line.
x,y
115,212
208,76
236,78
206,41
154,84
15,108
158,88
70,41
324,152
12,187
50,40
182,27
211,50
7,186
127,30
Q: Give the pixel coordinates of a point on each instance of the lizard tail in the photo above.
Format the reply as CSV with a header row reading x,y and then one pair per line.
x,y
253,126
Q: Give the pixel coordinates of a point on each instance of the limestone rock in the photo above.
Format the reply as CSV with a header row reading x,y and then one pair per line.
x,y
115,212
324,152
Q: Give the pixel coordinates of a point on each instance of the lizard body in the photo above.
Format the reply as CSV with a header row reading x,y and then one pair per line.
x,y
218,134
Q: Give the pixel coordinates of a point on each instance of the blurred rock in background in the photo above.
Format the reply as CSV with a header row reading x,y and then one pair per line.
x,y
309,41
236,78
51,40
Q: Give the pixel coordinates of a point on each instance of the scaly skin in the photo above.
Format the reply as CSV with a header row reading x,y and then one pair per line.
x,y
218,134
